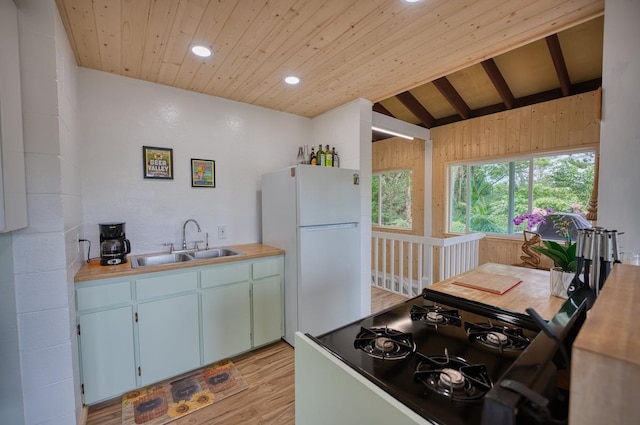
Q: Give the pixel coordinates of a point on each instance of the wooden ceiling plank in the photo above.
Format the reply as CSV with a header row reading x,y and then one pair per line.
x,y
185,24
416,108
327,42
446,59
452,95
193,72
498,81
240,19
373,74
81,16
135,18
109,31
368,52
553,43
271,51
161,17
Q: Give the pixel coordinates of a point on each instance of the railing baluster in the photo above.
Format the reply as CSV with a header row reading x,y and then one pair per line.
x,y
456,255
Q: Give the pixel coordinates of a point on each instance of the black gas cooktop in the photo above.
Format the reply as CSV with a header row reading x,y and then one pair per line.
x,y
437,354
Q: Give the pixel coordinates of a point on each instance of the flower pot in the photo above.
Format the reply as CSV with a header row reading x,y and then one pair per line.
x,y
560,281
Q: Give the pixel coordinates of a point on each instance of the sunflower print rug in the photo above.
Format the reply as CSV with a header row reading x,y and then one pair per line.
x,y
169,400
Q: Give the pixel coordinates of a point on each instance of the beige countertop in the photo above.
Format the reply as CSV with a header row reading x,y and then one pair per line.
x,y
605,364
534,290
94,270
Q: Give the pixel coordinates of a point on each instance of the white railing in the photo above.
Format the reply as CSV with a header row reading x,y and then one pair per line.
x,y
405,264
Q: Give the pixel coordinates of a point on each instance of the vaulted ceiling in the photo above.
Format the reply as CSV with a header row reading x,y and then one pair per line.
x,y
428,63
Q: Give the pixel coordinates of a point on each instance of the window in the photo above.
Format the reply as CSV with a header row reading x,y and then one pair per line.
x,y
485,197
391,199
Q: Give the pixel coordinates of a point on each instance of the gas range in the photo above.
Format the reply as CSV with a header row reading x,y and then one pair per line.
x,y
455,361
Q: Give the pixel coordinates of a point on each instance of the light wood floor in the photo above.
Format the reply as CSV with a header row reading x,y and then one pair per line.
x,y
269,400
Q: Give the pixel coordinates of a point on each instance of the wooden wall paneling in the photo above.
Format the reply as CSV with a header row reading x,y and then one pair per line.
x,y
576,120
512,133
544,127
524,129
563,111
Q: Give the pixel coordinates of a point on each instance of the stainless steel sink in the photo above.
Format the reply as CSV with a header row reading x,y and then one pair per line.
x,y
147,260
158,259
215,253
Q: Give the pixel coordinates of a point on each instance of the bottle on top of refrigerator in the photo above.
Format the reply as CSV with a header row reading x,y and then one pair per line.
x,y
328,157
320,156
336,159
312,157
300,155
306,154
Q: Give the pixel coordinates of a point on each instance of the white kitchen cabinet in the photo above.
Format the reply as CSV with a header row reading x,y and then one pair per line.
x,y
267,301
168,337
107,353
226,321
157,325
105,339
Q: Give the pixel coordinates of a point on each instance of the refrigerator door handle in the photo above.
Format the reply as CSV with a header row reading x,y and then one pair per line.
x,y
321,227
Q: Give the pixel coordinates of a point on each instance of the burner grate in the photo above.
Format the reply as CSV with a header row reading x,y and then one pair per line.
x,y
435,316
452,377
385,343
501,338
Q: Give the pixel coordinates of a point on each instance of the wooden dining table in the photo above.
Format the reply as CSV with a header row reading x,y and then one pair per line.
x,y
532,292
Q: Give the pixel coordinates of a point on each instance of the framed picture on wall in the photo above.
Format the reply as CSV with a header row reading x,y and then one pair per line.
x,y
203,173
157,163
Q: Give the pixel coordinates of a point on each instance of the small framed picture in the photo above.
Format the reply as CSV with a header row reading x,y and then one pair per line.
x,y
203,173
157,162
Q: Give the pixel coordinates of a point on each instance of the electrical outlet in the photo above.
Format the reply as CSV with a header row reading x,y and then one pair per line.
x,y
222,232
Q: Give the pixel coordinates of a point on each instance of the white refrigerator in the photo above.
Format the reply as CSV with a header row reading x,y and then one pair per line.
x,y
313,213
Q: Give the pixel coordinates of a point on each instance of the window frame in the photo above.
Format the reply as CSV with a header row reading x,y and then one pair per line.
x,y
505,159
384,226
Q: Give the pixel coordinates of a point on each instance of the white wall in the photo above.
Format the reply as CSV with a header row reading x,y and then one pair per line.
x,y
119,115
45,254
619,192
348,128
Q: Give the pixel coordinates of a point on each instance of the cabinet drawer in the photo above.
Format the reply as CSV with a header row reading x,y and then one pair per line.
x,y
104,295
265,268
225,274
160,286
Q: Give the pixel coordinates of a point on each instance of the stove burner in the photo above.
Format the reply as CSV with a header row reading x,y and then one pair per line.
x,y
435,316
385,343
501,338
452,377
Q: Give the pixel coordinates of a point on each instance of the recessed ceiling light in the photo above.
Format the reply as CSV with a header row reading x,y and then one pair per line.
x,y
412,1
292,79
202,51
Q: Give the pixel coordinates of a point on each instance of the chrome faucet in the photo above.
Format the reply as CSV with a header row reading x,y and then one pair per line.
x,y
184,228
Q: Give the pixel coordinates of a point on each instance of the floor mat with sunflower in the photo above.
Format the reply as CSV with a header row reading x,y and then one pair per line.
x,y
169,400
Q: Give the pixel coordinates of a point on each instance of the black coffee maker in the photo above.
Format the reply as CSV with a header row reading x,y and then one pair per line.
x,y
114,246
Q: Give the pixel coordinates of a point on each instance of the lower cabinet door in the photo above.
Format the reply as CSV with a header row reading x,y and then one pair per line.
x,y
226,321
267,311
168,337
107,351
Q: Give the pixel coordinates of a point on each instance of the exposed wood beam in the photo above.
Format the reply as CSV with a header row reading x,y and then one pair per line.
x,y
450,93
377,107
553,43
416,108
499,82
578,88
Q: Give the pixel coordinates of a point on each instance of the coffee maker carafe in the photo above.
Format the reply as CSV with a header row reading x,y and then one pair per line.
x,y
114,246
